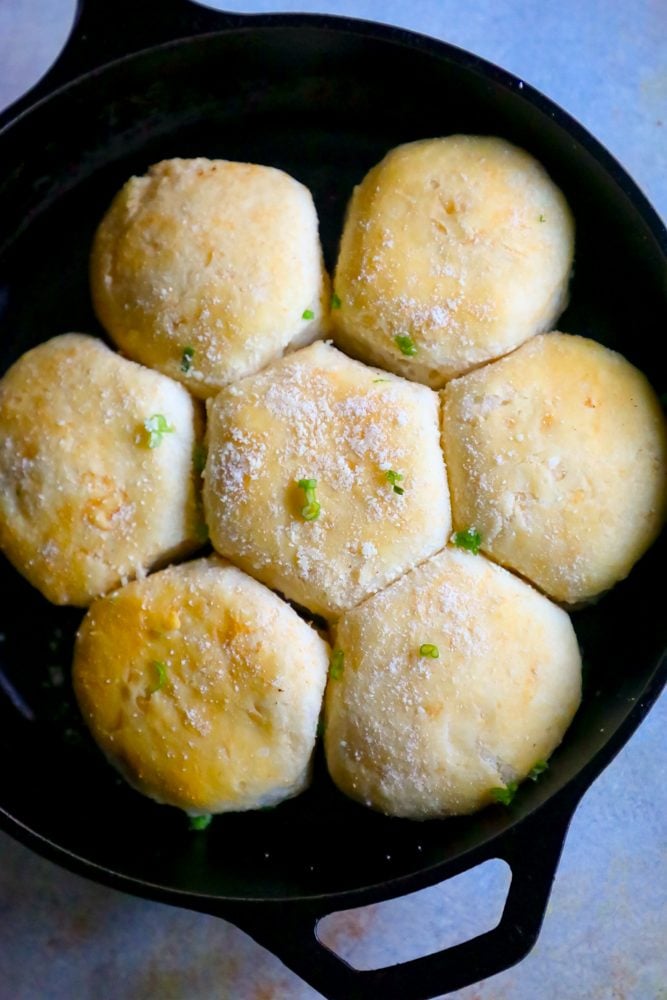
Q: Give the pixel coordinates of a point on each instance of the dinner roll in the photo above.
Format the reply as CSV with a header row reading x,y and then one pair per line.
x,y
455,682
208,270
202,687
557,457
454,251
96,469
325,478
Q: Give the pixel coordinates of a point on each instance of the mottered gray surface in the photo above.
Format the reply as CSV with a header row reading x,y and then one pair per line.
x,y
604,936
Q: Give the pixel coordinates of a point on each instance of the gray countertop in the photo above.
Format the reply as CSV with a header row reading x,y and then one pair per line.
x,y
604,935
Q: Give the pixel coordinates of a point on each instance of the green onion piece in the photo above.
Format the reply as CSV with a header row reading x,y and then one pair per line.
x,y
201,532
200,822
428,649
161,671
541,218
537,770
470,540
307,314
336,664
394,478
380,380
406,345
311,509
156,427
335,301
506,794
320,727
199,456
186,358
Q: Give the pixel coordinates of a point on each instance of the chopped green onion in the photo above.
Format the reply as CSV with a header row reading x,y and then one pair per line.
x,y
506,794
542,218
406,345
161,671
200,822
537,770
320,727
186,358
311,509
199,456
336,664
428,649
335,301
307,314
156,427
380,380
394,478
470,540
201,532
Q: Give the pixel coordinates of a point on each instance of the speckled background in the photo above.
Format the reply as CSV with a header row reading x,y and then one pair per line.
x,y
605,933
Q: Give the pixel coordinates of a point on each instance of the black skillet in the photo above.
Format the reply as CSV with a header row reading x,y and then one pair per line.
x,y
323,98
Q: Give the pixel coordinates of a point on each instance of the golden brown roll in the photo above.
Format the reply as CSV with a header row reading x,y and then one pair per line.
x,y
454,682
96,469
557,456
454,252
325,478
208,270
202,687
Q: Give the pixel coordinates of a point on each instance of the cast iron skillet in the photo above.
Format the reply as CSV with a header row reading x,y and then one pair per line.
x,y
323,98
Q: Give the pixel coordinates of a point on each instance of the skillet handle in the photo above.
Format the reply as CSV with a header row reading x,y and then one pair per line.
x,y
102,32
532,851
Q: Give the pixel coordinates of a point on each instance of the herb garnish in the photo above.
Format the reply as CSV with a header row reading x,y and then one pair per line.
x,y
337,664
539,768
470,540
186,358
428,649
199,456
161,671
394,478
311,510
335,301
201,531
156,427
200,822
406,345
307,314
506,794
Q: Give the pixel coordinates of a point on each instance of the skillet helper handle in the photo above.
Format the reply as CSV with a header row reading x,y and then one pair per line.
x,y
103,31
532,851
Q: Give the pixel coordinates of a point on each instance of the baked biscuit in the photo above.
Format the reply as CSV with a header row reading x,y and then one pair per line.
x,y
325,478
557,457
454,252
448,687
208,270
96,469
202,687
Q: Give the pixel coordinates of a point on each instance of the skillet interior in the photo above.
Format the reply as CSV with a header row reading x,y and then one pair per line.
x,y
323,104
